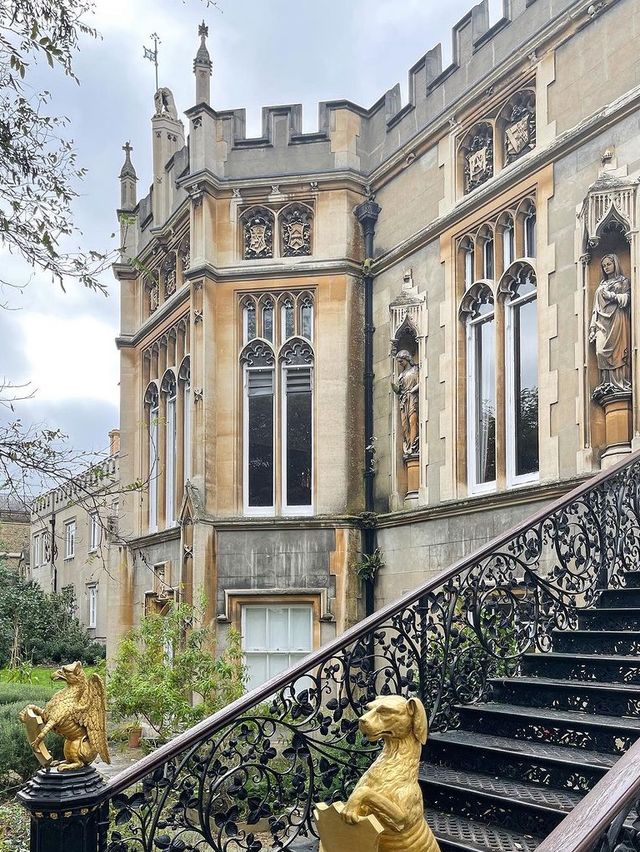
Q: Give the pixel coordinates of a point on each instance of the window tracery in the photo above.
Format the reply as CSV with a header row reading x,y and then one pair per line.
x,y
278,405
167,422
503,298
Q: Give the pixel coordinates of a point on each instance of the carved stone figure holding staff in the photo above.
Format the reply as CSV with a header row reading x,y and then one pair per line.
x,y
407,388
610,325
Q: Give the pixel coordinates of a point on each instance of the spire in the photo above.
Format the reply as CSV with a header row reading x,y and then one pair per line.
x,y
202,67
128,180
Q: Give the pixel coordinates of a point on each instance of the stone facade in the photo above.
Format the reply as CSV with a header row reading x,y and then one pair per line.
x,y
499,190
14,532
73,540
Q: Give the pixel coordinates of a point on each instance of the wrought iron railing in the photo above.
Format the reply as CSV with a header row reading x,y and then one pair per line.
x,y
247,778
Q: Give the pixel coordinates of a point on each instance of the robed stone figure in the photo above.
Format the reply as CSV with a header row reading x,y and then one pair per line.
x,y
610,322
407,389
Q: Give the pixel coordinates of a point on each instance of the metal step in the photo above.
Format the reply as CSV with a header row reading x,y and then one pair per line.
x,y
460,834
623,642
585,667
619,598
511,804
631,579
608,699
609,618
560,727
525,761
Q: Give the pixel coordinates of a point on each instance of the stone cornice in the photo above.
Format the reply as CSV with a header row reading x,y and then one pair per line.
x,y
520,171
216,186
482,503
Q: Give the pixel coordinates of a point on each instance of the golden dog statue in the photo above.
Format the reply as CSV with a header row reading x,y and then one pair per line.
x,y
387,797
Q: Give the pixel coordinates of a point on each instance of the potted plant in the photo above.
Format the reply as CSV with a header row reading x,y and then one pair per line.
x,y
134,735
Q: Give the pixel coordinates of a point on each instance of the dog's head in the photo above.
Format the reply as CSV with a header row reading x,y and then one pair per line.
x,y
393,717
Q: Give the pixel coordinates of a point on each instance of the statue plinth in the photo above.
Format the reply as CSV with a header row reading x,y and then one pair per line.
x,y
412,466
616,404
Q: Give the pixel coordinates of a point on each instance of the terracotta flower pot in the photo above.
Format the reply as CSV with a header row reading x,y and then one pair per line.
x,y
135,735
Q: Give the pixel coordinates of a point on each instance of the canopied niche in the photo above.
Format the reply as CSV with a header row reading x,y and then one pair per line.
x,y
607,222
407,371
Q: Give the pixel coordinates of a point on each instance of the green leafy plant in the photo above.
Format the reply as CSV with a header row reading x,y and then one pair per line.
x,y
40,627
369,565
167,673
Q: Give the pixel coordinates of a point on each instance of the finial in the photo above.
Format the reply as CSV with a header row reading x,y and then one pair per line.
x,y
127,169
202,56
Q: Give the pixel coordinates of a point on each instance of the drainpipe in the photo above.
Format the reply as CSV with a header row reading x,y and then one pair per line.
x,y
367,215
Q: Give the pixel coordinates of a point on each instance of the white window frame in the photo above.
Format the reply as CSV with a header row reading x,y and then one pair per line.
x,y
514,481
92,594
70,539
170,458
187,430
256,511
488,258
274,652
286,509
473,326
469,272
527,247
95,530
508,242
37,550
154,413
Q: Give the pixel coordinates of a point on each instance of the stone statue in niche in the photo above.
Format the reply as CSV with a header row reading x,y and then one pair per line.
x,y
610,328
407,389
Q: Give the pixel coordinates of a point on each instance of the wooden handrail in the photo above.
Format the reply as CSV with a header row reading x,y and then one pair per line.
x,y
211,725
581,829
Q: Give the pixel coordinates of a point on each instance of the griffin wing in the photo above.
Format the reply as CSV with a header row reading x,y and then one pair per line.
x,y
95,717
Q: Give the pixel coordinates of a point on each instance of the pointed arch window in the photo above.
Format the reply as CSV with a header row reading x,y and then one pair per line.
x,y
258,362
530,234
508,242
185,382
297,426
477,312
152,408
306,317
519,287
249,324
169,391
287,318
267,320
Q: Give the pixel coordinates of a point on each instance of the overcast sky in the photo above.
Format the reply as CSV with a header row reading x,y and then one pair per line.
x,y
264,52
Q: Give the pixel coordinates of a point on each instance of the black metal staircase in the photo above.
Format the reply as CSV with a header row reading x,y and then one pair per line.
x,y
524,653
520,762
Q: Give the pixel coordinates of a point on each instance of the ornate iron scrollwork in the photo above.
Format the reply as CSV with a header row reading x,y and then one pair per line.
x,y
289,746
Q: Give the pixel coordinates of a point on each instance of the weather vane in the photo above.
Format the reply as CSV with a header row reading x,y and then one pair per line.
x,y
152,55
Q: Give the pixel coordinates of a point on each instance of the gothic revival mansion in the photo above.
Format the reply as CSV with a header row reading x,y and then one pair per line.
x,y
373,345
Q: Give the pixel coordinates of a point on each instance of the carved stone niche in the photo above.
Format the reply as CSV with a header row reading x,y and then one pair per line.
x,y
517,125
406,320
295,230
257,233
608,224
476,154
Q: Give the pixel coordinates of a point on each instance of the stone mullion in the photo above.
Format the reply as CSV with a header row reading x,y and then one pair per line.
x,y
501,395
162,462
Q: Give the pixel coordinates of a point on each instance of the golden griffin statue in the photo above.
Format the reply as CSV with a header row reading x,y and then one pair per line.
x,y
77,713
385,811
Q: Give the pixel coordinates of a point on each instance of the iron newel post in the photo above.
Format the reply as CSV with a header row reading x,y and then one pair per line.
x,y
367,215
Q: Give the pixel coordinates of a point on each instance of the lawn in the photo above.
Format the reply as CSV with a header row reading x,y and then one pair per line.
x,y
40,676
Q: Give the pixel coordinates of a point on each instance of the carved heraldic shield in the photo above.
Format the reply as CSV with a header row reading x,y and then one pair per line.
x,y
336,835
